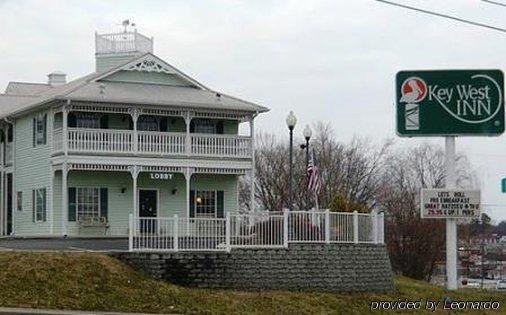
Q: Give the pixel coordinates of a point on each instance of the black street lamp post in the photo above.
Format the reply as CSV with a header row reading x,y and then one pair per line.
x,y
307,136
291,120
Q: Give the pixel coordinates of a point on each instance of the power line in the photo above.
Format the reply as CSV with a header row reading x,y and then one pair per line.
x,y
502,30
495,2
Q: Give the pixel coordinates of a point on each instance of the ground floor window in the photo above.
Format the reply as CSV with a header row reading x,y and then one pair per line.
x,y
87,202
206,204
39,205
19,201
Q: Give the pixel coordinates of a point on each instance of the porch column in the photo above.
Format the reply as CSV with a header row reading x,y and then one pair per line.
x,y
134,171
65,134
135,116
188,172
252,136
64,199
188,119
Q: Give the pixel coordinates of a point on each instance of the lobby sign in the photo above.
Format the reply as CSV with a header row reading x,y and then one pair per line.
x,y
449,203
161,176
450,103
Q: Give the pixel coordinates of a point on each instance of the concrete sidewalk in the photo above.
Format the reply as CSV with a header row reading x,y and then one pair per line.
x,y
108,244
31,311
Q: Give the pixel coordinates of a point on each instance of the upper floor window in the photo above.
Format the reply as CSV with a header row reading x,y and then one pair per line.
x,y
152,123
39,129
87,120
206,126
148,123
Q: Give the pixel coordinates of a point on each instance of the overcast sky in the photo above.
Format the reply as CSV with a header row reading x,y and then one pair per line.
x,y
332,61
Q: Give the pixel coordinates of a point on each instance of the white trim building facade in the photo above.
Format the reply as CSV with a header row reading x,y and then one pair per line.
x,y
137,136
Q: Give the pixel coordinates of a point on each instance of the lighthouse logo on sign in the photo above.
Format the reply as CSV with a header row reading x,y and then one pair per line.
x,y
413,90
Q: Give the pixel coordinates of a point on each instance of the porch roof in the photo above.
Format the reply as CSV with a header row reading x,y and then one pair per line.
x,y
155,94
91,88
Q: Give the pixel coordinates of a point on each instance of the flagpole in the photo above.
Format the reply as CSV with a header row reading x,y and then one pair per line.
x,y
316,201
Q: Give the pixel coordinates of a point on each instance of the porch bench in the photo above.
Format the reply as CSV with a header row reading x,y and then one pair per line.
x,y
93,222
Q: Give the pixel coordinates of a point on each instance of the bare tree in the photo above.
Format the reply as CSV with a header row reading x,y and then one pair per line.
x,y
415,244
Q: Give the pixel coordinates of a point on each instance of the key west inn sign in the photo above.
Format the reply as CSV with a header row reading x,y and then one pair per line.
x,y
464,102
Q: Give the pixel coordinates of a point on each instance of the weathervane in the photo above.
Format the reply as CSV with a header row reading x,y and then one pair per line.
x,y
126,23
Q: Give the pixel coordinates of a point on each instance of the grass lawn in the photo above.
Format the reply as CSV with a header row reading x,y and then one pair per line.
x,y
85,281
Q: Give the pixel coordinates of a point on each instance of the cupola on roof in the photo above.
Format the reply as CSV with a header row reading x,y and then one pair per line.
x,y
114,49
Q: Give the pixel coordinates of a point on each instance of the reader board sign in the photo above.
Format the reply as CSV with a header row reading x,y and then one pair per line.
x,y
449,203
450,103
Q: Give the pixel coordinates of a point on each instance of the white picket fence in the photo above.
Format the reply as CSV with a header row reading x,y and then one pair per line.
x,y
259,230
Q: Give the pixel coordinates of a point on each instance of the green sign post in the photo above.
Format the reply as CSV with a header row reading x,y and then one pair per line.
x,y
450,103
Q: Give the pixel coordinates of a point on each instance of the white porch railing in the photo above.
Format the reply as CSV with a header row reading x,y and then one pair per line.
x,y
162,142
263,230
100,140
152,143
221,145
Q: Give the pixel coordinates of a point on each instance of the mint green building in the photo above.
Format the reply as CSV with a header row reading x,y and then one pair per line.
x,y
137,136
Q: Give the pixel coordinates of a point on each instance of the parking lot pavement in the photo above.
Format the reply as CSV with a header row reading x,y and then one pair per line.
x,y
64,244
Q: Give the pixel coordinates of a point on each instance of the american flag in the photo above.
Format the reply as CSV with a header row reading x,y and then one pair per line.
x,y
313,174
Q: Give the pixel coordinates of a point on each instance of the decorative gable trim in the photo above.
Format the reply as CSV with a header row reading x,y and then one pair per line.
x,y
150,65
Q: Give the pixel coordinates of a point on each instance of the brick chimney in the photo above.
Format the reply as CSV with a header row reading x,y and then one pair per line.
x,y
56,78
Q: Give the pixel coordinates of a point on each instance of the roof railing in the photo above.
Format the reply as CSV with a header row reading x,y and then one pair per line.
x,y
123,42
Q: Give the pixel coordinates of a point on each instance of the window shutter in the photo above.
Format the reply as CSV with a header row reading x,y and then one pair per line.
x,y
192,126
10,133
219,204
104,121
33,205
103,203
163,124
192,203
72,204
45,129
34,128
219,127
44,205
72,120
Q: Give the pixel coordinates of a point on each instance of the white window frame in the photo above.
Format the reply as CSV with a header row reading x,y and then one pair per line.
x,y
195,204
87,120
37,204
81,188
19,201
206,123
40,131
144,123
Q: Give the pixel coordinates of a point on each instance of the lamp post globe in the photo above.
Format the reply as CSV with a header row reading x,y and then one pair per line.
x,y
291,120
307,133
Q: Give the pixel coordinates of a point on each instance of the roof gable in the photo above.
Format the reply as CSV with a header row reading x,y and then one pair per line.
x,y
150,69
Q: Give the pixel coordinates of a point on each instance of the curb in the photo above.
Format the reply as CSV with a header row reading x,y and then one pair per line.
x,y
30,311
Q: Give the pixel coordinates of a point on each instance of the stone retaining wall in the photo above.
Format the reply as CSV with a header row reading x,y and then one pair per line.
x,y
322,267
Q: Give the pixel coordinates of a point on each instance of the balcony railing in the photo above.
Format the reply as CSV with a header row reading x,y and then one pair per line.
x,y
152,143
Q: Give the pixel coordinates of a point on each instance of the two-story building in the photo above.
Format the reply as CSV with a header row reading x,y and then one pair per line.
x,y
137,136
